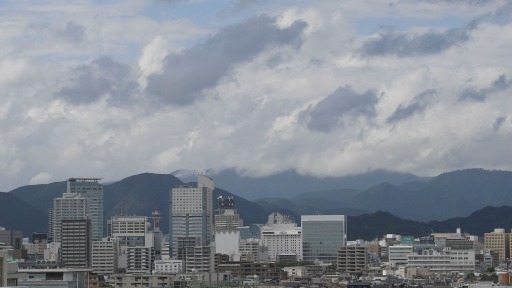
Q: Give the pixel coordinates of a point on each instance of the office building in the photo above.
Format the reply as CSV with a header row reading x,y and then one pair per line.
x,y
14,239
3,265
105,255
322,236
76,251
226,216
140,260
191,212
447,262
92,190
131,231
499,242
397,254
168,266
69,206
282,237
199,259
352,259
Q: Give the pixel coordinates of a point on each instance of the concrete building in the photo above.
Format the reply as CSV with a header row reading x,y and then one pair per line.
x,y
92,190
251,250
226,216
352,259
199,259
54,277
397,254
447,262
131,231
191,212
226,242
76,251
498,241
322,236
3,266
282,237
69,206
140,260
105,256
14,239
168,266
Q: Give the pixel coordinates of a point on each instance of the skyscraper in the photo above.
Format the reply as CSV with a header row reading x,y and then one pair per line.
x,y
322,235
76,250
92,190
69,206
191,212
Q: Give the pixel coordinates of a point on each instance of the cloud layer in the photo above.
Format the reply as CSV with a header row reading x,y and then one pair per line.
x,y
110,89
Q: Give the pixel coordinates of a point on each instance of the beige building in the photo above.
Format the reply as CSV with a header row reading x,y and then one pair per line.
x,y
499,242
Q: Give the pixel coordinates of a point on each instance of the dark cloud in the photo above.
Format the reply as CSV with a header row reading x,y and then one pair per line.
x,y
417,105
413,44
329,112
480,95
498,123
102,77
73,32
185,76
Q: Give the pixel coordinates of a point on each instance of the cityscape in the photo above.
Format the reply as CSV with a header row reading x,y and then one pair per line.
x,y
255,143
208,245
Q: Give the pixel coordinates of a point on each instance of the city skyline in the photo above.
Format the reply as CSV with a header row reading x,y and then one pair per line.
x,y
325,88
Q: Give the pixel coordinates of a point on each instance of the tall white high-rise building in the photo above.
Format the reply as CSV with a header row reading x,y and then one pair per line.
x,y
70,206
282,237
92,190
322,236
191,212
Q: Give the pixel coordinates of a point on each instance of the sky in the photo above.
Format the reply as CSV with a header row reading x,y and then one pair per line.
x,y
327,88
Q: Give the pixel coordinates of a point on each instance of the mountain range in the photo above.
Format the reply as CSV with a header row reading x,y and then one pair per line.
x,y
415,204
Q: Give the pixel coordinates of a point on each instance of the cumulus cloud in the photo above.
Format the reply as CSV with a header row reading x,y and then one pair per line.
x,y
329,113
103,77
418,104
186,75
480,95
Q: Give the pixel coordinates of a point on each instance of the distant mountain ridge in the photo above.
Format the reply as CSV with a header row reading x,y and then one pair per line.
x,y
289,184
448,196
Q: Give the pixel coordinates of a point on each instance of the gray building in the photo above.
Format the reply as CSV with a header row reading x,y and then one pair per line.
x,y
191,213
92,190
322,236
76,250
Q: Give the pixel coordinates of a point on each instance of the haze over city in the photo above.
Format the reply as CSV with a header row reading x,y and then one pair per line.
x,y
328,88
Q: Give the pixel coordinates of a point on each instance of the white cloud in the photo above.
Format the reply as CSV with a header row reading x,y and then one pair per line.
x,y
249,117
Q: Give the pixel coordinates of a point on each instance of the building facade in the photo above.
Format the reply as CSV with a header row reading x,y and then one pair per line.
x,y
498,241
191,212
92,190
322,236
76,251
105,255
352,259
69,206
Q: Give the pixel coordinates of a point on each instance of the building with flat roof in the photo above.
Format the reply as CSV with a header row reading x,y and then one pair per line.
x,y
282,237
352,259
105,256
322,236
69,206
191,212
76,250
498,241
92,190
